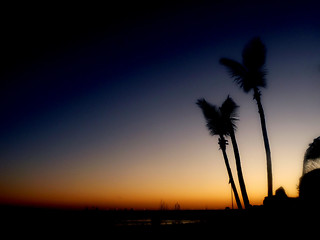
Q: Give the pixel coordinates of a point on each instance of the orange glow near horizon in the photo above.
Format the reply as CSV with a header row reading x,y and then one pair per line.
x,y
201,184
138,203
190,172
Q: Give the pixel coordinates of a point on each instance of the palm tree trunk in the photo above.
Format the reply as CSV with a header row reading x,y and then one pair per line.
x,y
257,97
239,170
222,143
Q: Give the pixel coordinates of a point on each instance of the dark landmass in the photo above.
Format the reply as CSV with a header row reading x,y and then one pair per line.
x,y
259,221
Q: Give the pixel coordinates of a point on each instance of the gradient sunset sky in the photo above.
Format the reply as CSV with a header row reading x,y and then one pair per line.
x,y
98,102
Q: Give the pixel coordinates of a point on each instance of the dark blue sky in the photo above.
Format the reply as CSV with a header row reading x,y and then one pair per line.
x,y
55,55
77,80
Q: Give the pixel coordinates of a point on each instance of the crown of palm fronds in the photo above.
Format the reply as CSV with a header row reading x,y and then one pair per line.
x,y
215,122
251,72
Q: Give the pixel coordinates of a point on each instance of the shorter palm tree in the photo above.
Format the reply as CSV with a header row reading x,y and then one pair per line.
x,y
217,126
229,111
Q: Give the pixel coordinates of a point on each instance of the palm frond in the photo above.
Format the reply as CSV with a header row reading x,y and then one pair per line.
x,y
254,54
214,121
229,110
230,107
235,69
246,79
208,110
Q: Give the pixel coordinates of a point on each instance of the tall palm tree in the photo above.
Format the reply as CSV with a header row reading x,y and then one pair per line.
x,y
217,127
250,76
228,110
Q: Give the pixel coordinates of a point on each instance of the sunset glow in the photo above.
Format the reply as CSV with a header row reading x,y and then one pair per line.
x,y
111,121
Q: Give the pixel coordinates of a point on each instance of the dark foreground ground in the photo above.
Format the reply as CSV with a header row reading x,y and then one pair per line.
x,y
255,223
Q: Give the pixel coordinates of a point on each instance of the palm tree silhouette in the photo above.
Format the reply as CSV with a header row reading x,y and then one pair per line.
x,y
250,75
217,127
228,110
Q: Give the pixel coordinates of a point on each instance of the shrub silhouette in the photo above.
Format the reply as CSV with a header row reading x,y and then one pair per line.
x,y
312,156
309,188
